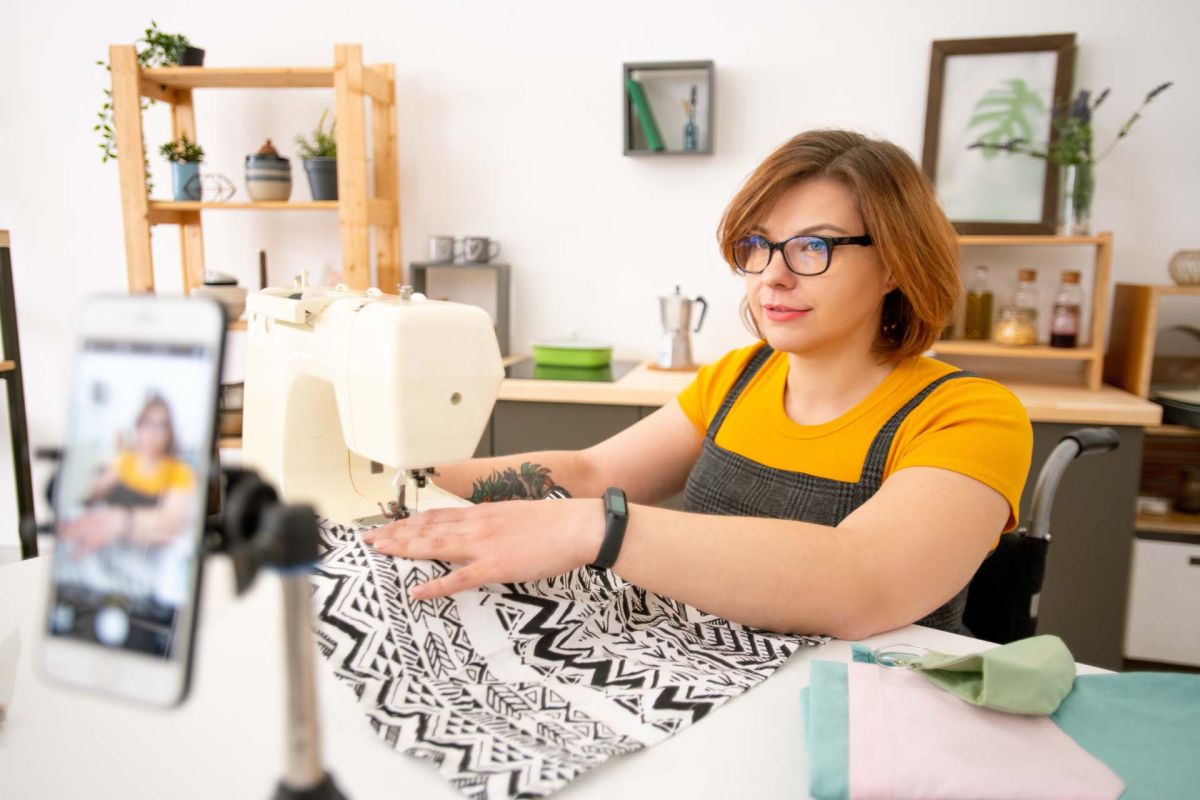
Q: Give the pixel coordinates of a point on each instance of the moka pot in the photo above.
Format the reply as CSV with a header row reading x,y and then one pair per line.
x,y
675,351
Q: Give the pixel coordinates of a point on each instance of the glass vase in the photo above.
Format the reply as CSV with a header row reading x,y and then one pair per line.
x,y
1075,200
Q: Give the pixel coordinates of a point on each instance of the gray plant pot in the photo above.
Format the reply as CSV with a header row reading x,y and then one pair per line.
x,y
322,178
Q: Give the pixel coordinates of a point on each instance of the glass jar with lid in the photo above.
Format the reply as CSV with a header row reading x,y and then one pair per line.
x,y
1017,324
1065,321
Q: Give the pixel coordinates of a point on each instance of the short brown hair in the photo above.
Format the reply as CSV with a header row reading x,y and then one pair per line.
x,y
153,401
916,243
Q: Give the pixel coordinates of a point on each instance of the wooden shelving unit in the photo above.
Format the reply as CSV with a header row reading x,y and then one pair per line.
x,y
1135,327
353,83
1092,353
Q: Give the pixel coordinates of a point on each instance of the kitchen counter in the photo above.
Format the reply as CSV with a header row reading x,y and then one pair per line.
x,y
643,386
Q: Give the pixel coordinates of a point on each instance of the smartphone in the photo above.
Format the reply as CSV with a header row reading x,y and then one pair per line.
x,y
131,495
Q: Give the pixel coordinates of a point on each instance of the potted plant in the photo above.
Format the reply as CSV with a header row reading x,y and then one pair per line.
x,y
185,157
154,49
166,49
320,159
1071,149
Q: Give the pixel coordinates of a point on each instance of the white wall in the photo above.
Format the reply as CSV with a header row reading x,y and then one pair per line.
x,y
510,126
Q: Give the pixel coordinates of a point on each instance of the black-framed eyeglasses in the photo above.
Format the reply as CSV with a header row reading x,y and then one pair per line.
x,y
803,255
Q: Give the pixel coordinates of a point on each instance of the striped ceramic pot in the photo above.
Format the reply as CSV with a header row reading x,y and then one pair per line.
x,y
268,177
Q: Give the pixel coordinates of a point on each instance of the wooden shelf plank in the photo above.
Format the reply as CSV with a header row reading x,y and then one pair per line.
x,y
240,77
1045,239
1182,431
7,366
266,205
961,347
1171,289
181,212
229,443
1174,522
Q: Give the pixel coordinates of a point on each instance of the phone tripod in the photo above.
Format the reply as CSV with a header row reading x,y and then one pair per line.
x,y
259,531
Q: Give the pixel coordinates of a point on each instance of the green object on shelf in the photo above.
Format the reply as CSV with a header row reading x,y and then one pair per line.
x,y
595,374
570,353
637,96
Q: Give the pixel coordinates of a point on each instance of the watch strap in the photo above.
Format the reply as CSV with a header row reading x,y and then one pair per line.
x,y
616,517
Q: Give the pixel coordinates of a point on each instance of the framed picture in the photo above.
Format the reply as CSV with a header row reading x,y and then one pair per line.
x,y
994,91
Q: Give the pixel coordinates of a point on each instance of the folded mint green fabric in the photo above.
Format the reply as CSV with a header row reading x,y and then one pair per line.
x,y
1028,676
1144,725
826,709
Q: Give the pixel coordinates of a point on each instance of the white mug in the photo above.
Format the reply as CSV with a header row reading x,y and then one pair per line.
x,y
441,248
478,249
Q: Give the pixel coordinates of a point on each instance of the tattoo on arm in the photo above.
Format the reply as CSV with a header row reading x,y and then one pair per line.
x,y
530,482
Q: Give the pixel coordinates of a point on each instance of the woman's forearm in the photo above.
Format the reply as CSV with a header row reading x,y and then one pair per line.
x,y
520,476
774,574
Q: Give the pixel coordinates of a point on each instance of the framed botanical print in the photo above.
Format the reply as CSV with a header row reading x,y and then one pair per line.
x,y
995,91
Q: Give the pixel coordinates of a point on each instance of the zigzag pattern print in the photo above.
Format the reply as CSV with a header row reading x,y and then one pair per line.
x,y
510,723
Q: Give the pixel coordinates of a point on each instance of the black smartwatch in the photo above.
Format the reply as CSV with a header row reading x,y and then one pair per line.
x,y
616,517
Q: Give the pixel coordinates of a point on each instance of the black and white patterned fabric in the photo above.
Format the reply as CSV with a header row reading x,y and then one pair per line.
x,y
514,690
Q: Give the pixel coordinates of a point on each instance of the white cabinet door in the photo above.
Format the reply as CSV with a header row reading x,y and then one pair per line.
x,y
1163,623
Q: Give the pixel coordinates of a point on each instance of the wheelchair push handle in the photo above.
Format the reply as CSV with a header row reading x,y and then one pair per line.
x,y
1079,442
1094,440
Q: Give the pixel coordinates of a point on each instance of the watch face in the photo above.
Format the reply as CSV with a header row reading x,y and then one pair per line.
x,y
616,503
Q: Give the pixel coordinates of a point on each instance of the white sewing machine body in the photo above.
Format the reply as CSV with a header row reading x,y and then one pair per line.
x,y
344,389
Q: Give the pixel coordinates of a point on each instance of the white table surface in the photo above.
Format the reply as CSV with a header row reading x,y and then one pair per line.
x,y
226,740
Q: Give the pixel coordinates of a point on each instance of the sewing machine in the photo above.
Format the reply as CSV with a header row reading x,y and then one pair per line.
x,y
352,398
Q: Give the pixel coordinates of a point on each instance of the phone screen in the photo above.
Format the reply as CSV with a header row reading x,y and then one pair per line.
x,y
131,496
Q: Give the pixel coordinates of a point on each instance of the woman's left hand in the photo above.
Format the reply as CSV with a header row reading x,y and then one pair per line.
x,y
508,542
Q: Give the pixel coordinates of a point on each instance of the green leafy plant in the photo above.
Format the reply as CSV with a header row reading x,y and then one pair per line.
x,y
154,49
1072,125
1071,145
161,49
323,142
182,150
1003,112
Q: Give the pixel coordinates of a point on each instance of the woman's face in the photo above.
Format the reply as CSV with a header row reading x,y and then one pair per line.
x,y
154,432
838,309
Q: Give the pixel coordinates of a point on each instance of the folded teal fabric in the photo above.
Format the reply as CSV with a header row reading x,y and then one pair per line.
x,y
826,709
1144,725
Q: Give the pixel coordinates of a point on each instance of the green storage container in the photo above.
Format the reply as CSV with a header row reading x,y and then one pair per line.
x,y
572,353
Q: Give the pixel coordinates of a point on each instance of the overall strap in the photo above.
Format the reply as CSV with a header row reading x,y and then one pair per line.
x,y
872,472
748,372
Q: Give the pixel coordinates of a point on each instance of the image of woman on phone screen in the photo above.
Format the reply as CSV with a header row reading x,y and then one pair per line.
x,y
126,542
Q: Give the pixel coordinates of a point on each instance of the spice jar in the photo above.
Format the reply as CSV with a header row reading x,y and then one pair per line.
x,y
1017,326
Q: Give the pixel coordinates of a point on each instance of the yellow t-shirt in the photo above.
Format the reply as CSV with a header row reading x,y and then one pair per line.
x,y
168,473
972,426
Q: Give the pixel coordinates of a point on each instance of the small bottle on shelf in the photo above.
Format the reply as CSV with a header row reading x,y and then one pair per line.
x,y
977,322
1068,304
1026,295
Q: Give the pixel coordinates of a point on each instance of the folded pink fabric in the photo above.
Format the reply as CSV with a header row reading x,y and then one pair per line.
x,y
909,739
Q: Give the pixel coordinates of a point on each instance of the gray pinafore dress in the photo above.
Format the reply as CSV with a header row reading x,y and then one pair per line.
x,y
723,482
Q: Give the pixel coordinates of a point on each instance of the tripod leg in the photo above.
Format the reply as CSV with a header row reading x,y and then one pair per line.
x,y
303,777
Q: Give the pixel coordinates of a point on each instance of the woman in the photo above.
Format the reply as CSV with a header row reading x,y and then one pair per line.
x,y
835,480
142,497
